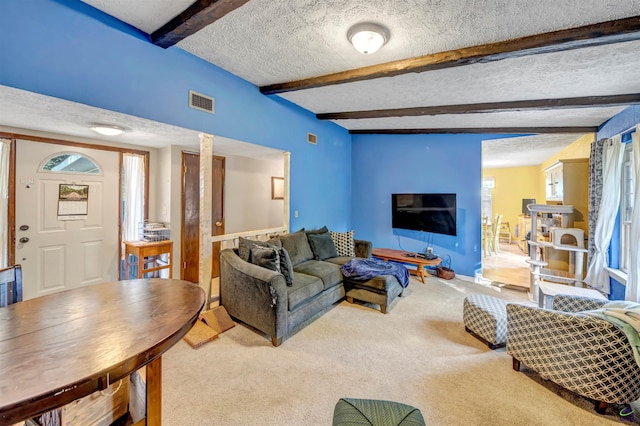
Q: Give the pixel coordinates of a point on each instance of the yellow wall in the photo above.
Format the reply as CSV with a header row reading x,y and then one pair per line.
x,y
512,184
581,148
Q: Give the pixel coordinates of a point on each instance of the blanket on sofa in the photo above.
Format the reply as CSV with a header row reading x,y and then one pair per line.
x,y
366,269
624,315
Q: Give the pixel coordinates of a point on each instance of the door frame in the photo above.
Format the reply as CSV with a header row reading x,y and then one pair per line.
x,y
13,137
214,229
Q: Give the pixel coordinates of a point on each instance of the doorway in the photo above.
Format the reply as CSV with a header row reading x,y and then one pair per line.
x,y
190,241
66,216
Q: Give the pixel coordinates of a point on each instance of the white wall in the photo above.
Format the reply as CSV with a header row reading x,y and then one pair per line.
x,y
247,198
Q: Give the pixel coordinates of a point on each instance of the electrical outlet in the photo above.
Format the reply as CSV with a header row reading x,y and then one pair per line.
x,y
295,214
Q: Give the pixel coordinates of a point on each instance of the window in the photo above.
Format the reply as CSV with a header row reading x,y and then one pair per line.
x,y
626,206
70,163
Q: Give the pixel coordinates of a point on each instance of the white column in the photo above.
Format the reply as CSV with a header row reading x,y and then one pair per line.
x,y
206,173
286,206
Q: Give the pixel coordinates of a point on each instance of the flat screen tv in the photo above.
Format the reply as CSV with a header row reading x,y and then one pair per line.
x,y
424,212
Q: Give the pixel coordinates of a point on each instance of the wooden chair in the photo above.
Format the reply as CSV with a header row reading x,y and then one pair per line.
x,y
10,285
497,222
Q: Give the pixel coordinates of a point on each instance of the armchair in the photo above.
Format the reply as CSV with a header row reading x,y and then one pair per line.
x,y
584,354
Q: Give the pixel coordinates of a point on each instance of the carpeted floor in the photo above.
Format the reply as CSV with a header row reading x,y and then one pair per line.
x,y
418,354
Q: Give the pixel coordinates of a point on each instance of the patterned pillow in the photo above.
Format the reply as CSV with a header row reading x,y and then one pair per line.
x,y
344,243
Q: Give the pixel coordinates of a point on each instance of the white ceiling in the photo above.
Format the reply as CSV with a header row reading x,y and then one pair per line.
x,y
267,42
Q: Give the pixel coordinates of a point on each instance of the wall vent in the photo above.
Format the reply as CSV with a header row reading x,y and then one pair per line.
x,y
201,102
311,138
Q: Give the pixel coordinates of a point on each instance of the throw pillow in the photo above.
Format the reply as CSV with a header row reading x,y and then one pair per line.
x,y
245,245
344,243
317,231
286,267
322,246
267,257
298,247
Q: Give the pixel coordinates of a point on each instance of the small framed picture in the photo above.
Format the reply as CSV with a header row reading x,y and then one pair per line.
x,y
277,188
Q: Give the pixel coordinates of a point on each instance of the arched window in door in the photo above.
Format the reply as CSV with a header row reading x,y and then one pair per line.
x,y
70,162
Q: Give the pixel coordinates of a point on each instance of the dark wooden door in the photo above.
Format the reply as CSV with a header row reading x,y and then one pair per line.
x,y
190,241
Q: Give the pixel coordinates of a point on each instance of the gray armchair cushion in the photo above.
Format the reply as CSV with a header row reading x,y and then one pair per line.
x,y
298,247
267,257
322,246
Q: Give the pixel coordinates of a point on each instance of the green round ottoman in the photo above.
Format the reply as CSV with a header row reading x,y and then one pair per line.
x,y
372,412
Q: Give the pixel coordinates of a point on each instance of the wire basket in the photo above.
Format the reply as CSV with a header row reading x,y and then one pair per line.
x,y
154,231
443,270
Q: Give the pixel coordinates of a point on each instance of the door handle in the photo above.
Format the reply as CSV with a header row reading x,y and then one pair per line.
x,y
218,223
23,240
24,227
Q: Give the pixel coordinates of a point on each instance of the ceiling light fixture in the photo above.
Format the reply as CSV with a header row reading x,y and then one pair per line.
x,y
107,130
368,37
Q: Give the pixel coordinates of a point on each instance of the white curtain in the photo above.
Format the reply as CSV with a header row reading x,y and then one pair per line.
x,y
5,151
597,276
133,187
632,291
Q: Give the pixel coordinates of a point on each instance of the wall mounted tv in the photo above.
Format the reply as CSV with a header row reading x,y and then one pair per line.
x,y
424,212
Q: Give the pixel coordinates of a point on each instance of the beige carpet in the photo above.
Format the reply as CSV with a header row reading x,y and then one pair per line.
x,y
418,354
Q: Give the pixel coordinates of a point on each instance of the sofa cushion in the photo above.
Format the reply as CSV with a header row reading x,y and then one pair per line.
x,y
304,288
340,260
322,246
267,257
245,244
329,273
344,243
298,247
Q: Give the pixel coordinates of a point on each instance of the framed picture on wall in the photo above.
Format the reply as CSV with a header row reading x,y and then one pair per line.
x,y
277,188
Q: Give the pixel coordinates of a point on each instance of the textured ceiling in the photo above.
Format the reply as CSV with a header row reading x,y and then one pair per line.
x,y
268,42
497,153
18,107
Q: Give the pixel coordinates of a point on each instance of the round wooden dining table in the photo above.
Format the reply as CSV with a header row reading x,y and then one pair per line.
x,y
61,347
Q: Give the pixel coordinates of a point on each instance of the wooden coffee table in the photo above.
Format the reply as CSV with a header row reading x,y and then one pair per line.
x,y
404,257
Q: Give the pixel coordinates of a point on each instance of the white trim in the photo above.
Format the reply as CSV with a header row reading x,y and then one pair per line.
x,y
617,275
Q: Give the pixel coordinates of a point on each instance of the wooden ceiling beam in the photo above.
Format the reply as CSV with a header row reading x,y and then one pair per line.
x,y
191,20
489,107
478,130
599,34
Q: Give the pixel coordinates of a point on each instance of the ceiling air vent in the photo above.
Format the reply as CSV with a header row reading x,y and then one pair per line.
x,y
311,138
201,102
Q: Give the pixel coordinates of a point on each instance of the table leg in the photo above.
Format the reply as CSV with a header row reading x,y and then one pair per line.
x,y
154,392
421,272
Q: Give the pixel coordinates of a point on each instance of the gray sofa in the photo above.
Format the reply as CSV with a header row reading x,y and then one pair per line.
x,y
262,298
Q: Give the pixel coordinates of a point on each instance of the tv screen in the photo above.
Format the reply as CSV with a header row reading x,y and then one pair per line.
x,y
424,212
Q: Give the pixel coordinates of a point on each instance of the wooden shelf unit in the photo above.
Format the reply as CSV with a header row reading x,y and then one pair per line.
x,y
147,254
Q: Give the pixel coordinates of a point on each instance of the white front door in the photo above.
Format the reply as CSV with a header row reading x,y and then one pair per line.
x,y
58,254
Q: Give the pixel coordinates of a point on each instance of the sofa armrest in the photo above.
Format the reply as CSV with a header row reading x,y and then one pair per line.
x,y
255,295
571,303
363,248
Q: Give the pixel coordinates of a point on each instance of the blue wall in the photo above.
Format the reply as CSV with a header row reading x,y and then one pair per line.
x,y
386,164
621,122
68,50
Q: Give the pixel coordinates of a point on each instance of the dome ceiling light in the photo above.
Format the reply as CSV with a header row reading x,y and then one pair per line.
x,y
107,130
367,37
